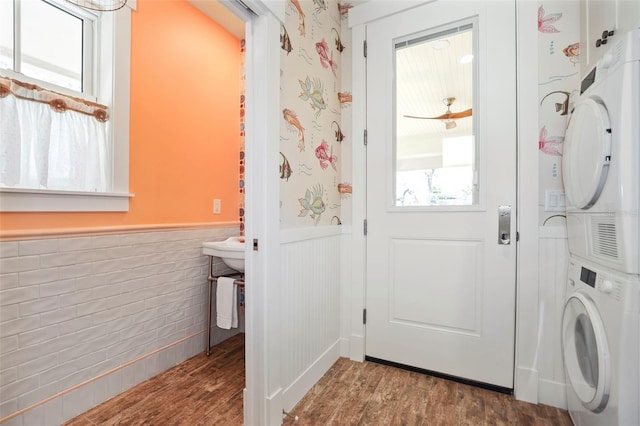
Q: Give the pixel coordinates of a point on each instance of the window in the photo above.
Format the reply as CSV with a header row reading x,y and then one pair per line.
x,y
68,158
435,144
49,41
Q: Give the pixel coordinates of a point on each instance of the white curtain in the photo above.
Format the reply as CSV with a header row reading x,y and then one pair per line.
x,y
41,148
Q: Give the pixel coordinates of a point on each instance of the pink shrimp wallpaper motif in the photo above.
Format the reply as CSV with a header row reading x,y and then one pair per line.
x,y
311,135
559,80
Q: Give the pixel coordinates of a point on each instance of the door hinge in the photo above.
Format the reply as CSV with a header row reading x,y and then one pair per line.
x,y
517,236
364,316
255,244
366,137
365,227
364,48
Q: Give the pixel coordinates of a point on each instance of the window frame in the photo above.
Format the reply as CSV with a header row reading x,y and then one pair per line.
x,y
90,58
112,45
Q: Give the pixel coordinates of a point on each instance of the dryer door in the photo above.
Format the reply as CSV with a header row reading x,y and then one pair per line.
x,y
587,153
585,352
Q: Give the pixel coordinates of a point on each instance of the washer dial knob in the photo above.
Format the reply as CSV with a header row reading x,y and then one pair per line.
x,y
606,287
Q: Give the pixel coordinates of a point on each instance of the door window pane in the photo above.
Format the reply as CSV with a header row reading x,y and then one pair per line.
x,y
435,144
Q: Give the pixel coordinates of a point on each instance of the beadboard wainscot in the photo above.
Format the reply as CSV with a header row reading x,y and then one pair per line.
x,y
310,307
553,267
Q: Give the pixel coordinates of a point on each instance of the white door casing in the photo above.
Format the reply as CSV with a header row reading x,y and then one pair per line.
x,y
440,290
262,404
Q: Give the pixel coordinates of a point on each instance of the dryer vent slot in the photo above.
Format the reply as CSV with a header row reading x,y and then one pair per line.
x,y
604,237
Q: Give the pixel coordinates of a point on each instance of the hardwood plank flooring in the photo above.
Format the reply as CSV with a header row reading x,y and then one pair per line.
x,y
407,398
200,391
206,391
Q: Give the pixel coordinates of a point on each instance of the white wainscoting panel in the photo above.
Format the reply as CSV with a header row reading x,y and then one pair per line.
x,y
310,292
554,260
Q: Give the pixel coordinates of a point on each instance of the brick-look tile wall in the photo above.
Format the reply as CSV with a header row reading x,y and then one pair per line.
x,y
74,308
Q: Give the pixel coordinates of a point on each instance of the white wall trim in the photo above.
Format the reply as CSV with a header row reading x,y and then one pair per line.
x,y
40,234
28,200
297,390
553,393
526,384
345,346
356,286
288,236
261,7
274,408
552,232
262,338
376,9
527,285
121,97
356,345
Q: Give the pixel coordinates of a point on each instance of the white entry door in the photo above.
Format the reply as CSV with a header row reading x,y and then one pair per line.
x,y
441,189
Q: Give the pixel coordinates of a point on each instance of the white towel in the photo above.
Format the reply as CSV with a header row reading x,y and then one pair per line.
x,y
226,303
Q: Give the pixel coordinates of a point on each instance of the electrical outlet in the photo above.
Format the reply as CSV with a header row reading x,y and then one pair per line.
x,y
217,206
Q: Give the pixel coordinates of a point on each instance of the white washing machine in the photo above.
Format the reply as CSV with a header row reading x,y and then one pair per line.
x,y
601,160
600,345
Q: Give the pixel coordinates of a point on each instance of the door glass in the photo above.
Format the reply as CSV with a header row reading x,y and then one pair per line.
x,y
435,143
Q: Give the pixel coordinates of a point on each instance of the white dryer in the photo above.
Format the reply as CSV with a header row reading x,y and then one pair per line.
x,y
600,345
601,160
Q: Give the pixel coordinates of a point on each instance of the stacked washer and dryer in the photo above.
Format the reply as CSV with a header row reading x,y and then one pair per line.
x,y
601,172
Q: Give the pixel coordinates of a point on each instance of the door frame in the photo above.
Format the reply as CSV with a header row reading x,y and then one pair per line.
x,y
526,341
262,394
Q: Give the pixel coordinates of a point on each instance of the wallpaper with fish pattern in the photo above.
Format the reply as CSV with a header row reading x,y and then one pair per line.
x,y
312,102
558,89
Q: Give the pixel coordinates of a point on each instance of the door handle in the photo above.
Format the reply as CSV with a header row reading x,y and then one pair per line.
x,y
504,225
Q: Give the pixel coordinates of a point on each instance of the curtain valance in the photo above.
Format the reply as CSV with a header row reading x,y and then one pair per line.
x,y
58,102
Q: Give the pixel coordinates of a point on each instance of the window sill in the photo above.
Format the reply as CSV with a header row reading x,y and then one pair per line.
x,y
34,200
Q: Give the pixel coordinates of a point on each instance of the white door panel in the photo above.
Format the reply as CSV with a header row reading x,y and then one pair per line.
x,y
454,281
440,292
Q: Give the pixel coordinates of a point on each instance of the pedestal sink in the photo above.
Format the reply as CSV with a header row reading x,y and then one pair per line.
x,y
231,251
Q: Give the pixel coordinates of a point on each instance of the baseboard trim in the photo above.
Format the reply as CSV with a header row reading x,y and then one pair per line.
x,y
300,386
344,347
552,393
274,408
526,385
356,348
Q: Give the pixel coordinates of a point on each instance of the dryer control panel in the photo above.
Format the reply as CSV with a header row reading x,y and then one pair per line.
x,y
588,277
601,283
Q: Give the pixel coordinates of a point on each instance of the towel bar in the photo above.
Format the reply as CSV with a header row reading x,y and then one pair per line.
x,y
239,281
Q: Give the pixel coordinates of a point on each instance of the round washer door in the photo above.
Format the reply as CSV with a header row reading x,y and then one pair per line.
x,y
586,352
587,153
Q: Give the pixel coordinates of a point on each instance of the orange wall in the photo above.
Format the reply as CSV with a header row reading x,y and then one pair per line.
x,y
185,114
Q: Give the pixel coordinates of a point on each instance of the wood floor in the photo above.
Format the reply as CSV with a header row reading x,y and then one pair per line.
x,y
353,393
200,391
208,391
